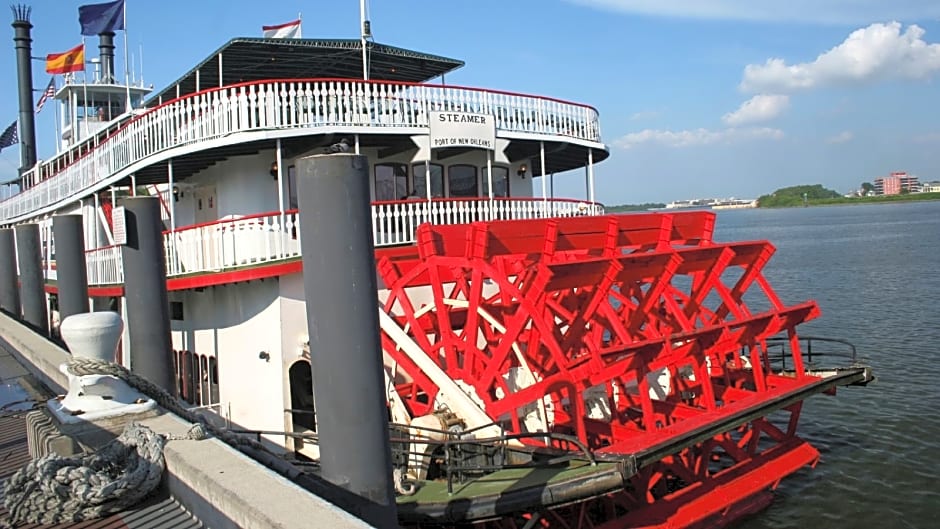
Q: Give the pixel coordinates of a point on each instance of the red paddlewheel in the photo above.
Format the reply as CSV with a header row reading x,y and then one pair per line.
x,y
624,330
637,333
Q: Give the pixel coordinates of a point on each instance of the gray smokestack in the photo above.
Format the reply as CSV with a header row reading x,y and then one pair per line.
x,y
106,53
24,72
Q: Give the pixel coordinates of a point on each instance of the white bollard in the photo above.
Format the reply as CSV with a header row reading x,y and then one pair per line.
x,y
93,335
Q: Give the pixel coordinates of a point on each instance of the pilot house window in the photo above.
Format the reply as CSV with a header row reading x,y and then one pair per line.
x,y
462,181
391,181
500,182
421,180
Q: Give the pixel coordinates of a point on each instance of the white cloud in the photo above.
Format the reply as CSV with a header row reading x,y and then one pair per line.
x,y
842,137
688,138
763,107
813,11
879,51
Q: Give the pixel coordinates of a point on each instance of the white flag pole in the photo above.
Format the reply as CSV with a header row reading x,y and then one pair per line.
x,y
84,89
127,84
58,131
362,30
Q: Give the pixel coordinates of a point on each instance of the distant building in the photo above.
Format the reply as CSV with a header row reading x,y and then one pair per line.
x,y
930,187
896,183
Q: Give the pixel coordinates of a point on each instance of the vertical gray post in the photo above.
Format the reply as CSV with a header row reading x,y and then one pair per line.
x,y
148,310
71,276
342,321
9,289
32,282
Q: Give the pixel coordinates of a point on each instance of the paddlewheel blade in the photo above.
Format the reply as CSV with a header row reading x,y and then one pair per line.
x,y
638,334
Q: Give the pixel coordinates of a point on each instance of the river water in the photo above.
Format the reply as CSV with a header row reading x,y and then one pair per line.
x,y
875,272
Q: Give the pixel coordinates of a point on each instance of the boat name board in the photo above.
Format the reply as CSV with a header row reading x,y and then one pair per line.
x,y
463,129
119,225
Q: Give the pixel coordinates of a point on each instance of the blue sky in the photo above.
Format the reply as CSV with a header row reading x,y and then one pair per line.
x,y
697,98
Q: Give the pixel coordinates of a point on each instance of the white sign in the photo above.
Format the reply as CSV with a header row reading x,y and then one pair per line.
x,y
463,129
119,225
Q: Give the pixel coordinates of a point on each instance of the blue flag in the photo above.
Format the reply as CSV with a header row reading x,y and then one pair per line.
x,y
101,18
9,136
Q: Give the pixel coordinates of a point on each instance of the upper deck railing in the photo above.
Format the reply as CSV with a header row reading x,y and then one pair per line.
x,y
268,238
284,105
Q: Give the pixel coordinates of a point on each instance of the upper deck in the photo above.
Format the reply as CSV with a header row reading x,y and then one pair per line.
x,y
267,110
275,98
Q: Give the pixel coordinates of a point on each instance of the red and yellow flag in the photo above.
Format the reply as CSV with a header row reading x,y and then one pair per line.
x,y
66,62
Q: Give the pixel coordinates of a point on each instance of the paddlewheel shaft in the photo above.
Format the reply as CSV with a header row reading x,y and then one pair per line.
x,y
637,334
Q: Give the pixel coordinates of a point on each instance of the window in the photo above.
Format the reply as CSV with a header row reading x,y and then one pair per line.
x,y
292,202
186,376
197,378
462,181
213,380
391,181
500,182
420,180
204,380
176,310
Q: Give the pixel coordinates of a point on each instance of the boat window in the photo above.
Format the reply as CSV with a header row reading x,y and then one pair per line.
x,y
462,181
213,380
292,188
500,182
186,376
421,181
176,370
197,378
391,181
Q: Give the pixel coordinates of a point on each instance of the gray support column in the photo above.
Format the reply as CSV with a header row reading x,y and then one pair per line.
x,y
32,283
71,274
9,289
148,311
342,320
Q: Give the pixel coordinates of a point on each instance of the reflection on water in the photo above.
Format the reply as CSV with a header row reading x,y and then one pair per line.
x,y
875,272
13,397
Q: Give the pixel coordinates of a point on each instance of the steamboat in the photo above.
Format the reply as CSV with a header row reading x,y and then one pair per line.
x,y
545,364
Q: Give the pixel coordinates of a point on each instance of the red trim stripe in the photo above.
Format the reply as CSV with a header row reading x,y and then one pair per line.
x,y
235,276
203,280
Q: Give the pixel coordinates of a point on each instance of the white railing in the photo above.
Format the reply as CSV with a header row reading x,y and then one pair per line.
x,y
395,222
104,266
280,105
265,238
232,243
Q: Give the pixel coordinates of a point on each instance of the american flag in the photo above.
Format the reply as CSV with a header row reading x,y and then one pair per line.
x,y
9,136
46,94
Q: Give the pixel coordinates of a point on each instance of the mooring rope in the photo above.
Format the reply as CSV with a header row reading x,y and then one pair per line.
x,y
119,475
200,428
56,489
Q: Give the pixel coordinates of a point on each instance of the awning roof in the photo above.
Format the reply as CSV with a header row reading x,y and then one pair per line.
x,y
257,59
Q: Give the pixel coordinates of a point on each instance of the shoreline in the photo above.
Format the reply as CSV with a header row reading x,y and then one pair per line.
x,y
860,201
